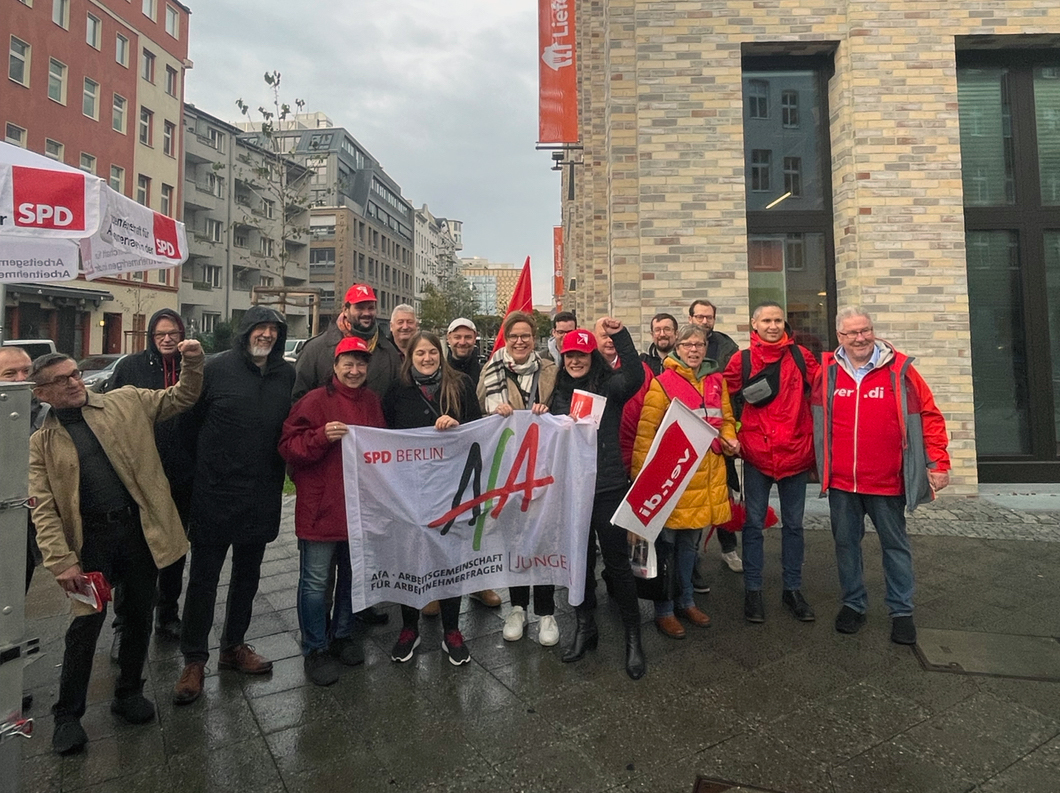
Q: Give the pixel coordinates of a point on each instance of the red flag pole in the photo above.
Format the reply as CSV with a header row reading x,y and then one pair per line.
x,y
522,300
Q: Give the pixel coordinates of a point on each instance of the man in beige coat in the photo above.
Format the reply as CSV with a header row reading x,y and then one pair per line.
x,y
103,504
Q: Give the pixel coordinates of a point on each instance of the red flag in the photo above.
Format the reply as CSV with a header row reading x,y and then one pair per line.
x,y
522,300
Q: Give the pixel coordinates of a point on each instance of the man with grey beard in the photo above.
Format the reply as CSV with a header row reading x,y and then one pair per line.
x,y
237,492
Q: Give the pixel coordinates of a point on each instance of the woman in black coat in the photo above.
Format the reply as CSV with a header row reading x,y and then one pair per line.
x,y
430,393
584,368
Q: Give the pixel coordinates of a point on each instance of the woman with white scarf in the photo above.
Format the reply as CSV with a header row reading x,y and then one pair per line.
x,y
517,378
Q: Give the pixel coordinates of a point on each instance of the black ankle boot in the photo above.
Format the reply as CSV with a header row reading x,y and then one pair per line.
x,y
636,664
586,636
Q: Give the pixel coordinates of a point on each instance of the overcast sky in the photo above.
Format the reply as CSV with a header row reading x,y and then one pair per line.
x,y
443,94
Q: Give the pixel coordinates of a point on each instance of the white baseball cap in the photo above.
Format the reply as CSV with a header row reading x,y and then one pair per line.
x,y
461,322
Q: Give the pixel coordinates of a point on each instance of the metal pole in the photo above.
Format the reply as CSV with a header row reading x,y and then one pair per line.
x,y
3,309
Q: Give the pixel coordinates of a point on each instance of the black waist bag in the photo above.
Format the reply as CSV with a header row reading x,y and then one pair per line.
x,y
763,388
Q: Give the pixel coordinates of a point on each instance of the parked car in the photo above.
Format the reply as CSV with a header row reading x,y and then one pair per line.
x,y
98,369
293,349
34,348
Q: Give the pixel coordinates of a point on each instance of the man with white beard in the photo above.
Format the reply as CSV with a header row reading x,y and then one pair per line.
x,y
237,492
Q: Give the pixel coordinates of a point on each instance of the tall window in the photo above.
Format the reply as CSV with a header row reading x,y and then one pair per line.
x,y
18,61
117,179
149,9
61,13
790,249
172,87
147,66
166,200
118,116
1009,110
214,230
121,50
90,102
143,190
169,132
172,21
147,120
94,32
57,81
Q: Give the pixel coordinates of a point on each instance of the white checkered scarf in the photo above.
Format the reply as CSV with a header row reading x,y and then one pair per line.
x,y
495,377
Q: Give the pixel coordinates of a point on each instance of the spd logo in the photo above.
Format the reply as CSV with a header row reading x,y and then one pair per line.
x,y
166,244
48,199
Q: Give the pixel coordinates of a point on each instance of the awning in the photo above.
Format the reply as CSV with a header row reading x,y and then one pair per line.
x,y
71,295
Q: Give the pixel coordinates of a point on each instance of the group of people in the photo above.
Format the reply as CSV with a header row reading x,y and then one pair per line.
x,y
179,455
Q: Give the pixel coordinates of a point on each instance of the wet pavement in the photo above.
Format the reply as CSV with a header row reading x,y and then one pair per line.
x,y
786,706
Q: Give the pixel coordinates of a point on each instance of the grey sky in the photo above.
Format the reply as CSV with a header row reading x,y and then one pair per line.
x,y
444,95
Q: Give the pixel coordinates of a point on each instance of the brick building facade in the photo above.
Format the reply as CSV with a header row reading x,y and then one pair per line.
x,y
812,153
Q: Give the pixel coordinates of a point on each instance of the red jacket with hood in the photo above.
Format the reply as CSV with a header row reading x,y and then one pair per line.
x,y
879,436
776,439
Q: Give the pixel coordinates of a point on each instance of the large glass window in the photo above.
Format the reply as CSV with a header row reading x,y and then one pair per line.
x,y
1009,110
790,252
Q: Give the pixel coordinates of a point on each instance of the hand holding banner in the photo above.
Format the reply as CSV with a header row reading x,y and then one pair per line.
x,y
681,442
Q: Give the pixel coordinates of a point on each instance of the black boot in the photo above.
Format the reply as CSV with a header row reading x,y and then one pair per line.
x,y
586,636
636,664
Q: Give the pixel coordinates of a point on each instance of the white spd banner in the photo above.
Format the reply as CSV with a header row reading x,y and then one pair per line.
x,y
498,502
679,445
132,238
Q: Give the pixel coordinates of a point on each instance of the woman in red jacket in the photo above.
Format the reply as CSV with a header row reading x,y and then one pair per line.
x,y
309,445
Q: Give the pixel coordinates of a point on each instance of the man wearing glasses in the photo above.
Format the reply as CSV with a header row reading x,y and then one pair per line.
x,y
881,449
158,366
103,505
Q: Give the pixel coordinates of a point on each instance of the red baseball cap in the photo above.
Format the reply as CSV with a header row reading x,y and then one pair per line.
x,y
579,340
352,344
360,293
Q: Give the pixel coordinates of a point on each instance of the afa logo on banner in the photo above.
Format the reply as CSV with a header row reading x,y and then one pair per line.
x,y
495,503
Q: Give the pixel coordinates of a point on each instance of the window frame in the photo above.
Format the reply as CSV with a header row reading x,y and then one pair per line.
x,y
61,78
95,42
146,129
117,113
166,196
21,142
149,8
93,95
121,53
26,59
61,150
169,138
119,176
147,66
143,186
172,82
172,14
61,13
92,162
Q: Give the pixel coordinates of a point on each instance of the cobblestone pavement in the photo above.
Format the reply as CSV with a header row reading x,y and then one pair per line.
x,y
788,706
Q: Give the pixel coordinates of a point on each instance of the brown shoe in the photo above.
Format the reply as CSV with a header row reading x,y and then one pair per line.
x,y
487,597
242,658
694,615
669,626
432,609
189,687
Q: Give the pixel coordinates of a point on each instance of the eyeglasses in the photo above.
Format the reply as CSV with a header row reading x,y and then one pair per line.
x,y
172,334
692,345
63,379
855,333
702,317
521,337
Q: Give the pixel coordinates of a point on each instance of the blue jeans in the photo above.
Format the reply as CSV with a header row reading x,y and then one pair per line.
x,y
848,527
316,560
792,492
681,545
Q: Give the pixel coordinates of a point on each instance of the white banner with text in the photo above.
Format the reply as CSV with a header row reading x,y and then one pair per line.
x,y
499,502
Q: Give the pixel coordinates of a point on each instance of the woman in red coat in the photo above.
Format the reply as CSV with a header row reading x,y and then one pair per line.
x,y
309,444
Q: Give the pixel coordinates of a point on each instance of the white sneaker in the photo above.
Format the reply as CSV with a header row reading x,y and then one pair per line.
x,y
732,559
514,623
548,631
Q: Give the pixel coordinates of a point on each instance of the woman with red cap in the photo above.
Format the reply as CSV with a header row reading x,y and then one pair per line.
x,y
430,393
586,369
309,444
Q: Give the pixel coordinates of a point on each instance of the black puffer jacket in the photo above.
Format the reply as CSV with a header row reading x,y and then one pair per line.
x,y
406,407
148,369
238,471
619,386
470,366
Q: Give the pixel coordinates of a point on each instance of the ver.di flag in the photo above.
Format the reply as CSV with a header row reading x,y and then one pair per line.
x,y
498,502
679,445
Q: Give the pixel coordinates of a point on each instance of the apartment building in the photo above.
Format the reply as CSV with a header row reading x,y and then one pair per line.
x,y
492,282
239,235
437,242
98,85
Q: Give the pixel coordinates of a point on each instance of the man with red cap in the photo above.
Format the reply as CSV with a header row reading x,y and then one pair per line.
x,y
357,318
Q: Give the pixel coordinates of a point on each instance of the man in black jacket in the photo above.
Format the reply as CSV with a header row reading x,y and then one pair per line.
x,y
237,493
158,366
664,336
462,337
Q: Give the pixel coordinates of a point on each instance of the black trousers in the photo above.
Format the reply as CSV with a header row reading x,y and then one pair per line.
x,y
410,617
614,547
727,539
119,551
544,598
207,559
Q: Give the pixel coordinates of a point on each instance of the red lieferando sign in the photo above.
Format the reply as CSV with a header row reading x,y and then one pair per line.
x,y
675,454
558,74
